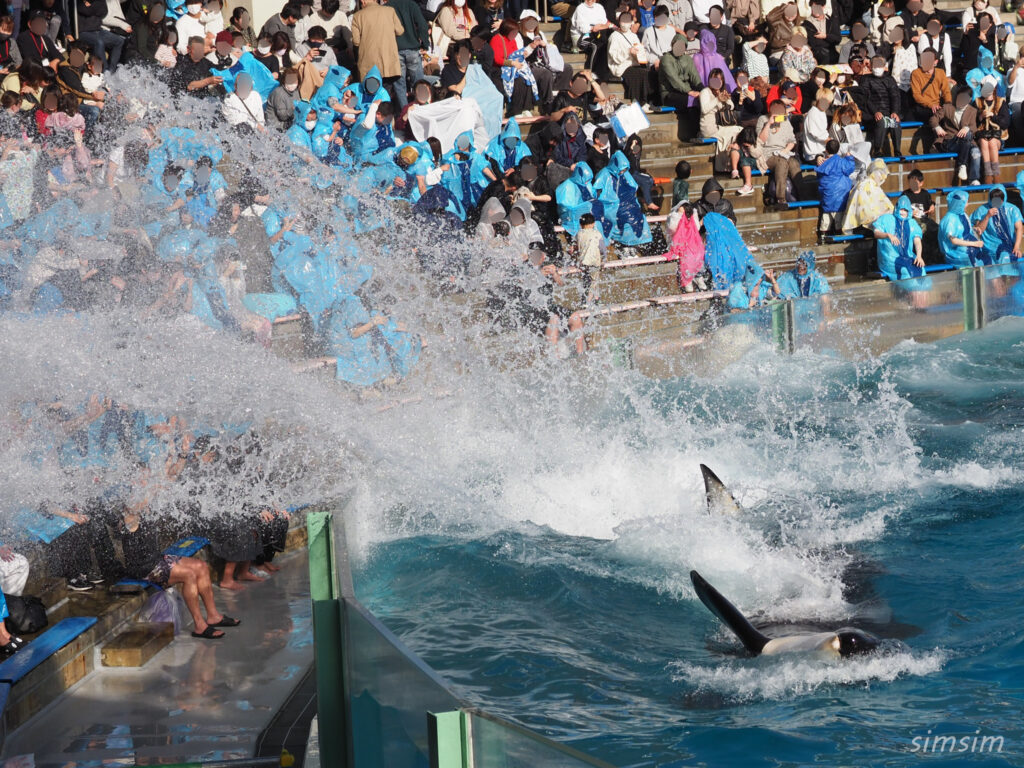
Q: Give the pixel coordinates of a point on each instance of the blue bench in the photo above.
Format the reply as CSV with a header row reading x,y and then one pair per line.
x,y
846,238
43,647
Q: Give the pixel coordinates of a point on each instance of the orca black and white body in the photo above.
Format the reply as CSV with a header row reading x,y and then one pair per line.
x,y
720,500
841,642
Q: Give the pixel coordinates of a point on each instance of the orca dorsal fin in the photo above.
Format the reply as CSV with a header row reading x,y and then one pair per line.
x,y
719,498
729,614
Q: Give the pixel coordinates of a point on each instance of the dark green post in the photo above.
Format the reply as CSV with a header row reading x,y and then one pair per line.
x,y
783,325
327,642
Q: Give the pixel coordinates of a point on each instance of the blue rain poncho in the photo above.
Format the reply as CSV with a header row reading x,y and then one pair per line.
x,y
367,94
896,262
741,290
726,255
508,148
956,223
793,285
465,178
335,81
479,87
201,198
263,81
1001,232
986,69
365,142
297,134
576,196
622,212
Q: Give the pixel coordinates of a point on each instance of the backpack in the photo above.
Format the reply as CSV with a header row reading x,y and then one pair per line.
x,y
26,614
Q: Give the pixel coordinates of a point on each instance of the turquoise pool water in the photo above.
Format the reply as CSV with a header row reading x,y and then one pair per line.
x,y
552,586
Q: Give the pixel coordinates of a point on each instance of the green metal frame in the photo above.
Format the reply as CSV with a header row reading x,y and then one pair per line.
x,y
449,740
329,644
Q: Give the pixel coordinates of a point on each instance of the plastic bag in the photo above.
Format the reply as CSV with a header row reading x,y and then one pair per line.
x,y
166,606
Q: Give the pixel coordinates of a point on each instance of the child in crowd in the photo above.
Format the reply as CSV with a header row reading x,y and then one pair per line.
x,y
681,184
591,249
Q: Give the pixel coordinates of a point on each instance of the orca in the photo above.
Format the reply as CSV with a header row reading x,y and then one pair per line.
x,y
718,497
842,642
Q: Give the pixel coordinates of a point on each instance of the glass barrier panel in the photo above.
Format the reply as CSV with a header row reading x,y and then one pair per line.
x,y
390,692
499,744
1004,291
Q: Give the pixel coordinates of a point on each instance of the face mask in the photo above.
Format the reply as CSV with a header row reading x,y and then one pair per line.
x,y
310,125
878,71
626,22
715,83
660,21
459,3
263,49
193,9
372,85
291,87
280,51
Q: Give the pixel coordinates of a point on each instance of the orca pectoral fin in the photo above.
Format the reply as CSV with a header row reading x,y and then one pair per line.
x,y
719,498
729,614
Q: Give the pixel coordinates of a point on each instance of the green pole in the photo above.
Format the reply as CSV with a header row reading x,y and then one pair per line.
x,y
448,738
327,643
782,325
972,285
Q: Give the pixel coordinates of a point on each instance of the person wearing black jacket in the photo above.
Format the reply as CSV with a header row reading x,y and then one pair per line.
x,y
35,44
823,34
145,37
102,41
712,200
878,98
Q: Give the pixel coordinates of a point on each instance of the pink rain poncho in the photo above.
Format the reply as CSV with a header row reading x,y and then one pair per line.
x,y
708,59
687,249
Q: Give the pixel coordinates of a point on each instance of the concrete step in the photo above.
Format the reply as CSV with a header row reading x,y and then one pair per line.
x,y
137,644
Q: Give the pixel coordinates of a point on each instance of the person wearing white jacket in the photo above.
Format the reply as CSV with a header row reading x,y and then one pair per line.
x,y
816,126
244,105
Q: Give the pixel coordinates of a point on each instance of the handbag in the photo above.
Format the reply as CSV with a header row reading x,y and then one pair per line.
x,y
26,614
725,116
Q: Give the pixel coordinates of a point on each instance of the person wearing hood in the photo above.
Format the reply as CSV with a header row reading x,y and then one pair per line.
x,y
243,106
986,72
835,180
536,188
993,121
679,80
570,150
709,59
628,224
491,213
755,289
303,123
898,242
958,238
868,200
542,142
507,148
523,229
369,90
576,196
1001,227
803,280
467,172
712,199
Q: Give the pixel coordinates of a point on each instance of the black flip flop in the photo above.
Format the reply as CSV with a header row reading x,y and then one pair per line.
x,y
208,633
227,621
